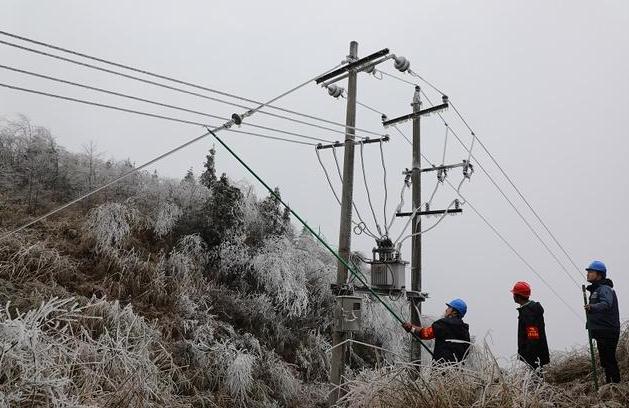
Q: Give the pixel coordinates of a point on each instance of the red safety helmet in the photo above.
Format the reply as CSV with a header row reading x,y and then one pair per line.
x,y
522,289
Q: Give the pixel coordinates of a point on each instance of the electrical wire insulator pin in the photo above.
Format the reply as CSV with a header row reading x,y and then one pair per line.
x,y
402,64
335,91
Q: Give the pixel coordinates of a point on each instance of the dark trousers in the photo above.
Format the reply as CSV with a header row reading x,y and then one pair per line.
x,y
607,342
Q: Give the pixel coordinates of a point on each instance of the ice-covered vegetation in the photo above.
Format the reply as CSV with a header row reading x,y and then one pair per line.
x,y
197,293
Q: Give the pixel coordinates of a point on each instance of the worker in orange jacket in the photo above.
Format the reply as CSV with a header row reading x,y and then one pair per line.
x,y
451,334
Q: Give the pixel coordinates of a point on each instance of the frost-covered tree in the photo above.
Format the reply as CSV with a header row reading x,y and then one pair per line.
x,y
208,177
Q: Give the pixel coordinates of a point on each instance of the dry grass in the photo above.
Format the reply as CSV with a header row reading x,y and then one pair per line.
x,y
481,382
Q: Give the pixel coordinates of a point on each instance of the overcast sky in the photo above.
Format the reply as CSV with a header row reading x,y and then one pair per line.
x,y
544,85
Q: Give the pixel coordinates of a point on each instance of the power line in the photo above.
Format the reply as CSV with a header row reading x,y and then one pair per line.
x,y
110,183
504,173
373,212
123,95
152,161
486,221
358,225
176,81
163,117
504,240
504,195
338,170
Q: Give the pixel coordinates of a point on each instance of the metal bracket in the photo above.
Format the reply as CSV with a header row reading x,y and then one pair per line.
x,y
430,212
386,138
414,115
341,290
416,296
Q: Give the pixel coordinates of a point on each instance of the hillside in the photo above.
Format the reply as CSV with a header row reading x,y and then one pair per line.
x,y
196,293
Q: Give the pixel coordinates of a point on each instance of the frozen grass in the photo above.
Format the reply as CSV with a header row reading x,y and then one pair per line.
x,y
482,383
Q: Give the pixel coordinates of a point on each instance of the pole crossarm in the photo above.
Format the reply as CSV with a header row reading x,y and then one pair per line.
x,y
352,65
321,146
410,116
429,212
443,167
369,68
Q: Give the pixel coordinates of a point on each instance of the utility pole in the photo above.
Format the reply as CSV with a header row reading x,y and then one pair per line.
x,y
338,353
416,243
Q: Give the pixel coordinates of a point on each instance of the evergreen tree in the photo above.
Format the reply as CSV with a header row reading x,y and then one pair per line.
x,y
189,177
275,221
208,177
222,212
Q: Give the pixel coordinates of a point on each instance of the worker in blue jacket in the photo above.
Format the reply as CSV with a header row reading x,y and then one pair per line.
x,y
603,318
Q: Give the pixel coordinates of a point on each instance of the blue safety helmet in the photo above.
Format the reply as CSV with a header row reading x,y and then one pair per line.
x,y
598,266
458,305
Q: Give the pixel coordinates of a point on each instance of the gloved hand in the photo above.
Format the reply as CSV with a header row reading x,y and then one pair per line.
x,y
407,326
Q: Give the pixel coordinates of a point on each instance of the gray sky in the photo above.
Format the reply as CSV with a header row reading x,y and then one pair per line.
x,y
543,83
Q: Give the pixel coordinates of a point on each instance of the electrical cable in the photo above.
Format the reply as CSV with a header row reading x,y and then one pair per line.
x,y
157,116
141,167
504,173
104,186
319,238
338,200
386,191
373,212
364,224
176,81
508,244
123,95
504,195
537,216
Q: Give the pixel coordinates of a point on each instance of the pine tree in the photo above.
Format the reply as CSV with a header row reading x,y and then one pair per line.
x,y
275,221
189,177
208,177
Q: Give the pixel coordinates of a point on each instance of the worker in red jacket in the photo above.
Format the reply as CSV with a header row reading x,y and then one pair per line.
x,y
532,343
451,334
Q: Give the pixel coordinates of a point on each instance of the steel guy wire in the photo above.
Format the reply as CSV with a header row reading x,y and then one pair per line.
x,y
165,105
134,170
373,212
151,115
504,173
338,170
146,81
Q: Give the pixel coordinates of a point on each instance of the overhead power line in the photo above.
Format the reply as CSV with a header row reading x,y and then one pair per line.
x,y
504,195
162,104
213,131
145,72
164,117
495,161
508,244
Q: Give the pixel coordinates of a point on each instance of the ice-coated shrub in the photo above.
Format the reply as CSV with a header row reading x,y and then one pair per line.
x,y
109,224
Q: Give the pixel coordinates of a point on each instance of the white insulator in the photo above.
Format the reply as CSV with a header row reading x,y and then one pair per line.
x,y
402,64
370,69
335,91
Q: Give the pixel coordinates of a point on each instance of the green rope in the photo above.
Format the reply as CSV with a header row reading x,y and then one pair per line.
x,y
319,238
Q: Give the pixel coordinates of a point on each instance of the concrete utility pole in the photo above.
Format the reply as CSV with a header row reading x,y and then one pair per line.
x,y
345,237
416,243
